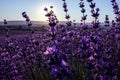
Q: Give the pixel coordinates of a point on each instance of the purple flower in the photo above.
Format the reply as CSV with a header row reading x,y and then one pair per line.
x,y
116,11
52,22
67,17
69,23
97,9
64,5
117,36
45,9
5,22
83,10
92,5
103,77
54,70
91,58
24,15
48,51
113,1
51,7
63,63
84,17
81,4
89,0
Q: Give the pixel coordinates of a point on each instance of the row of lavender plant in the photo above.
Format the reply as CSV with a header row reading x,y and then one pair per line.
x,y
73,54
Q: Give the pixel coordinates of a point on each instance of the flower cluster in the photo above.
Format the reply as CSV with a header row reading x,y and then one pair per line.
x,y
74,23
107,21
52,20
116,11
113,23
27,18
57,61
67,16
6,28
84,17
29,23
95,13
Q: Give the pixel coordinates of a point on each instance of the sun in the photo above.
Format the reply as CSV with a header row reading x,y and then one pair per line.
x,y
40,11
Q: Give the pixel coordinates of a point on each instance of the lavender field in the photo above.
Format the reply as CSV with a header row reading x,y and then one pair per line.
x,y
62,50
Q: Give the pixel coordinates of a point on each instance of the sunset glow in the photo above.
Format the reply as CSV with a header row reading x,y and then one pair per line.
x,y
11,9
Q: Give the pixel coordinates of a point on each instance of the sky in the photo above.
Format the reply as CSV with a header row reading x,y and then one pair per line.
x,y
12,9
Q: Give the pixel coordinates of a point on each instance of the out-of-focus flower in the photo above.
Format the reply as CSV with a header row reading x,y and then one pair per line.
x,y
91,58
63,63
54,71
45,9
83,10
48,51
51,7
107,21
67,16
117,36
103,77
89,0
119,63
5,22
